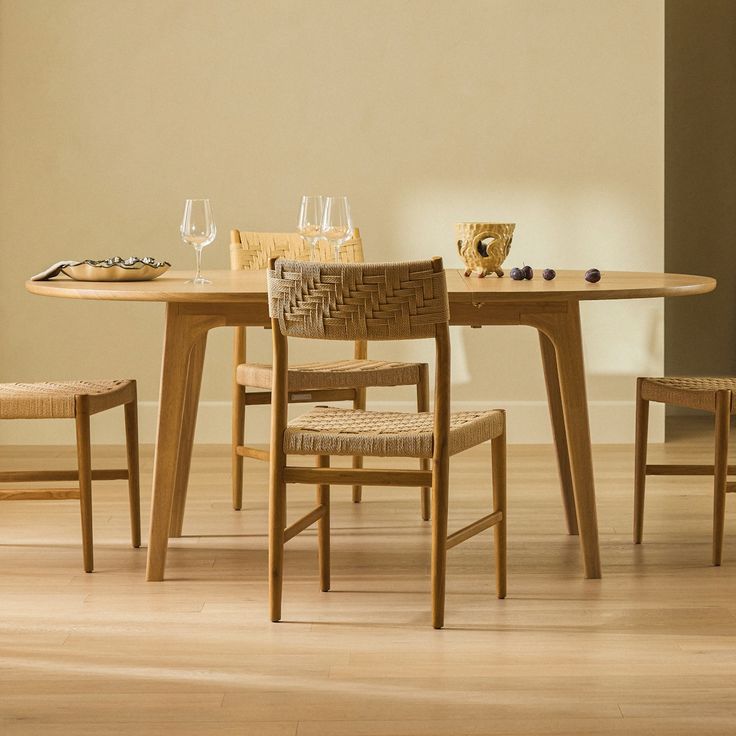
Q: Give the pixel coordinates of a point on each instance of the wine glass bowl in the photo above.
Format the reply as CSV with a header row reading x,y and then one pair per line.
x,y
309,225
198,229
337,222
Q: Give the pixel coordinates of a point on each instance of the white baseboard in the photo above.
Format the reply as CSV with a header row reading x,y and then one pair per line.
x,y
611,422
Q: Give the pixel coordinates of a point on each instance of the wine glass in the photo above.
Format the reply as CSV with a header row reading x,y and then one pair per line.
x,y
337,223
310,220
198,229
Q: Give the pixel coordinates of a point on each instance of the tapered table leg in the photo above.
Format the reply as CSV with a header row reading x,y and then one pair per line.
x,y
189,424
182,331
563,328
554,399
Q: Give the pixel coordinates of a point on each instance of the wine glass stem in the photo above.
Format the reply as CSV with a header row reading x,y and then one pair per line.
x,y
337,252
198,251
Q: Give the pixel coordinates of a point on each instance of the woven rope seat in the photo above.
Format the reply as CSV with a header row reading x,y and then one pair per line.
x,y
56,399
690,391
338,374
335,431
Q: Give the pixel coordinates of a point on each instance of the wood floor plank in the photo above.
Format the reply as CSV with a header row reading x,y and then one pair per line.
x,y
150,728
650,649
523,727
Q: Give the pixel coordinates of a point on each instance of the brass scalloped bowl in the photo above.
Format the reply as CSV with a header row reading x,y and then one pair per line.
x,y
132,269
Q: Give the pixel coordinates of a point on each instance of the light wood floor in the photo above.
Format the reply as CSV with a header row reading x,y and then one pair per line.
x,y
650,649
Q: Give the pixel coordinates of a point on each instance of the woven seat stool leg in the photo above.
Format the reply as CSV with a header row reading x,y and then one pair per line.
x,y
640,461
720,471
84,467
238,420
134,484
498,471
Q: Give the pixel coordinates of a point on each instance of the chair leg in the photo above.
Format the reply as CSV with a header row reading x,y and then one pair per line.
x,y
323,528
440,492
134,486
84,466
722,421
276,526
498,465
358,403
640,461
238,439
422,406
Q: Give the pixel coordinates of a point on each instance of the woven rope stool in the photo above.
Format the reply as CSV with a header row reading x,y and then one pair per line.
x,y
716,395
76,400
343,380
378,301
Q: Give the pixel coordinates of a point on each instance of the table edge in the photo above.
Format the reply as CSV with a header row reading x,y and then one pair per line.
x,y
592,292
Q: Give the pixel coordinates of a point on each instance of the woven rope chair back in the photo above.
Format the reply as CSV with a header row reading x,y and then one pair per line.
x,y
362,301
250,251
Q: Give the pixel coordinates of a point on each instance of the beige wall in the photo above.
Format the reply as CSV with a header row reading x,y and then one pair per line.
x,y
548,113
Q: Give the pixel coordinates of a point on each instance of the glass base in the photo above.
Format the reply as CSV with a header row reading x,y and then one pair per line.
x,y
199,281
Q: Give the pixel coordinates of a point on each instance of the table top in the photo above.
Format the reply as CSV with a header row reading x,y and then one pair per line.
x,y
250,286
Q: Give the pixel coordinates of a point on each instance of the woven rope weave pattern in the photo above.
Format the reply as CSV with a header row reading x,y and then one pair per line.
x,y
372,301
336,374
696,392
335,431
256,249
695,383
49,400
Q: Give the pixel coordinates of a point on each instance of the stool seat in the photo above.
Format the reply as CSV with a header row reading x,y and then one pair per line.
x,y
694,392
58,399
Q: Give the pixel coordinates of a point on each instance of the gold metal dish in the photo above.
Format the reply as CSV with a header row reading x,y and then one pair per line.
x,y
117,269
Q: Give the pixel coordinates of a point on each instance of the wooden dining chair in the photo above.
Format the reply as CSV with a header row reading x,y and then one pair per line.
x,y
76,400
715,395
342,380
379,301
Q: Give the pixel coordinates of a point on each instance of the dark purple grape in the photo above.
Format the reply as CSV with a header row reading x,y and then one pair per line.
x,y
528,273
592,275
548,274
516,274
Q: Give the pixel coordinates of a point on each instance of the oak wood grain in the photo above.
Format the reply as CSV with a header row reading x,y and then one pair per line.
x,y
250,286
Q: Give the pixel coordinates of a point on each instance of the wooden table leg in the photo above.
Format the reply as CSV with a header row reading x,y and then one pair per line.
x,y
563,329
189,423
554,399
182,331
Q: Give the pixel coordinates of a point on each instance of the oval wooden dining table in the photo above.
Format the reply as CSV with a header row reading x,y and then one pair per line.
x,y
239,298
